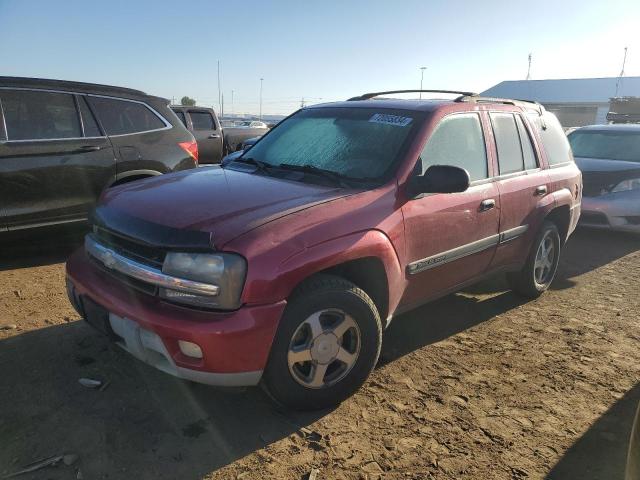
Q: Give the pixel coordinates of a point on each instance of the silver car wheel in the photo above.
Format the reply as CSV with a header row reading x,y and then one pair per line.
x,y
324,348
545,257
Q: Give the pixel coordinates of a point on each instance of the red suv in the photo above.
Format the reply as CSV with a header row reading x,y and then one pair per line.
x,y
284,267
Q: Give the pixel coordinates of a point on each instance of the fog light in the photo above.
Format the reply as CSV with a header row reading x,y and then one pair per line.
x,y
190,349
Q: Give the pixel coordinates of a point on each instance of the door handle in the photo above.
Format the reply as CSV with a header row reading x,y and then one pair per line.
x,y
487,204
88,148
214,135
541,190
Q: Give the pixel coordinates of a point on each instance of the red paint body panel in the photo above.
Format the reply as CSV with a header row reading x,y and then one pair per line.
x,y
289,231
231,342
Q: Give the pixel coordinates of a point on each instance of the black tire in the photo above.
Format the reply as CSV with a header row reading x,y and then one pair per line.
x,y
322,293
525,282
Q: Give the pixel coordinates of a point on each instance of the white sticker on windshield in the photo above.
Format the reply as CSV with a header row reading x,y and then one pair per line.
x,y
396,120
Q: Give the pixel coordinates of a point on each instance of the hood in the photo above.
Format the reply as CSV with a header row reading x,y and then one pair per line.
x,y
600,175
213,203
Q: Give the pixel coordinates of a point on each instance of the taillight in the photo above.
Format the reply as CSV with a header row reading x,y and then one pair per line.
x,y
191,148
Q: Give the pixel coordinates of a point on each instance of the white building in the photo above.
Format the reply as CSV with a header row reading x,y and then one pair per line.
x,y
576,101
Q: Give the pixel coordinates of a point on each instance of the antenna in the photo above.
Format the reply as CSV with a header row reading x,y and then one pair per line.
x,y
624,61
529,69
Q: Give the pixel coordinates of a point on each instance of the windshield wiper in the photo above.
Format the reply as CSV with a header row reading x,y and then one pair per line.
x,y
312,169
259,164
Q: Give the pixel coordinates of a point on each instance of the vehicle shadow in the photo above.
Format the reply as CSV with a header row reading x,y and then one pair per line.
x,y
45,247
588,249
602,451
446,317
144,424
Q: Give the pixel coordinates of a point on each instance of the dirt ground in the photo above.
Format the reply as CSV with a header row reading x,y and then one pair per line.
x,y
479,385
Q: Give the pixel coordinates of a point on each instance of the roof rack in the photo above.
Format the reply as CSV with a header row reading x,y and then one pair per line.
x,y
369,96
507,101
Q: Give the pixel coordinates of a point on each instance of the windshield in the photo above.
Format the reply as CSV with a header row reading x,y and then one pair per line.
x,y
606,145
357,143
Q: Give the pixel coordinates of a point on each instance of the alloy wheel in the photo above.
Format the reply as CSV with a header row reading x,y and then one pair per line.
x,y
324,348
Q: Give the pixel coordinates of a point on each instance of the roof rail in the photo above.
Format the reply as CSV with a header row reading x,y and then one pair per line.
x,y
368,96
507,101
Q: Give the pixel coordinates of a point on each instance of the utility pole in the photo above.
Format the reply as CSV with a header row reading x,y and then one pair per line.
x,y
422,69
302,103
232,103
261,79
624,61
529,69
219,94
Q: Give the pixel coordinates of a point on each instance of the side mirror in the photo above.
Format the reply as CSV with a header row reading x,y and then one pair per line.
x,y
440,179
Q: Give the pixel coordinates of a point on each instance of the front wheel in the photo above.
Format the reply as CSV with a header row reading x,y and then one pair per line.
x,y
542,263
327,344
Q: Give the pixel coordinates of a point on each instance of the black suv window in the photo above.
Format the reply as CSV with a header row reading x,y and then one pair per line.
x,y
32,115
507,142
554,140
458,141
88,121
202,120
120,117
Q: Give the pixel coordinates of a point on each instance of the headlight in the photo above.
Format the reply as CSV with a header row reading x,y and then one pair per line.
x,y
224,270
626,185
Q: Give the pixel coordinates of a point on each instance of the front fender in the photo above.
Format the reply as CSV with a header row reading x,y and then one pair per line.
x,y
265,286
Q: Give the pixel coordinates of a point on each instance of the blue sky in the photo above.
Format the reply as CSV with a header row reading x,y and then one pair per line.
x,y
322,50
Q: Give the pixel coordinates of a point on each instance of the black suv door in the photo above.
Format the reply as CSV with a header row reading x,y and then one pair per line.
x,y
54,161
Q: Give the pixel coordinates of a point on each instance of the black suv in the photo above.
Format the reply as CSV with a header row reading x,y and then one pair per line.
x,y
62,143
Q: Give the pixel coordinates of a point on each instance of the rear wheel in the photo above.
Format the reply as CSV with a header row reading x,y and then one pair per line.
x,y
542,263
327,344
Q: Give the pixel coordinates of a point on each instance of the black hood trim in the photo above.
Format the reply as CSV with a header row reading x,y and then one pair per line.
x,y
149,233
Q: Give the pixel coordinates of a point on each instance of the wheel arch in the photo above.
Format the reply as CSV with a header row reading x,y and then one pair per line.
x,y
367,273
560,216
131,175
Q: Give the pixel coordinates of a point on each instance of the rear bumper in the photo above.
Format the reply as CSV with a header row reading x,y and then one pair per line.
x,y
619,211
235,345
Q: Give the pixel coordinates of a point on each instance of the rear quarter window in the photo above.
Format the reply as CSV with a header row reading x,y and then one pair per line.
x,y
120,117
554,141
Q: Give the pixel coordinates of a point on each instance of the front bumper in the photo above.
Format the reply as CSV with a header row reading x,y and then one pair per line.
x,y
235,345
616,211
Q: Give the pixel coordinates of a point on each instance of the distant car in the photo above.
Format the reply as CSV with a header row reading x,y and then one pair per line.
x,y
235,136
62,143
609,157
203,123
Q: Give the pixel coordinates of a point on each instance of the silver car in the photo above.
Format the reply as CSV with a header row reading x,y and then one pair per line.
x,y
609,157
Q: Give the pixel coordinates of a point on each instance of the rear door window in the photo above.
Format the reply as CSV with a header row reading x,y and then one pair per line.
x,y
507,138
33,115
458,141
120,117
202,120
554,140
